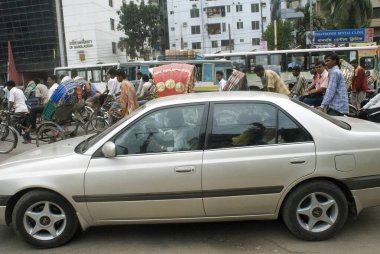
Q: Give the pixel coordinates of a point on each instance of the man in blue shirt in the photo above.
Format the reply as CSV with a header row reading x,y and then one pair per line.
x,y
335,101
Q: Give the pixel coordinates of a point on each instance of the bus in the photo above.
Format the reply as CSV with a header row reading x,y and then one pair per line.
x,y
282,61
97,74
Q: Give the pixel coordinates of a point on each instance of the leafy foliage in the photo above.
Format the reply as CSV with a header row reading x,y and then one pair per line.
x,y
347,14
141,25
284,35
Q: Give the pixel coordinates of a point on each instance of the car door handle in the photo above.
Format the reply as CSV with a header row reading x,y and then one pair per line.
x,y
185,169
298,161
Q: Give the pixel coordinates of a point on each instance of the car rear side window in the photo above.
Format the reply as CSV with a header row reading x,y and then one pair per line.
x,y
252,124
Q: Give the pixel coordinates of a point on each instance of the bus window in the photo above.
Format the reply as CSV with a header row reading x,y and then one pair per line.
x,y
348,56
257,60
278,60
317,56
298,59
239,62
104,75
368,63
144,70
199,73
62,73
96,75
208,72
89,76
80,73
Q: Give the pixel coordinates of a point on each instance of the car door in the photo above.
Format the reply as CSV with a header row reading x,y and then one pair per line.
x,y
254,150
154,175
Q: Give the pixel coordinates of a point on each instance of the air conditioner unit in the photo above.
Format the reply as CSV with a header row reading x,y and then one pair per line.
x,y
184,24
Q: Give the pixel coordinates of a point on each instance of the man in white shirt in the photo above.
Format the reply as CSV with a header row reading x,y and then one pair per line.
x,y
16,98
113,85
42,94
52,84
17,101
220,81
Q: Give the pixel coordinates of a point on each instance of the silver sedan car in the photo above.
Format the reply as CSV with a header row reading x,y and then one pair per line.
x,y
198,158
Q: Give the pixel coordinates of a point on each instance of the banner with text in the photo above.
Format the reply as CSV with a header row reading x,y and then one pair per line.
x,y
342,36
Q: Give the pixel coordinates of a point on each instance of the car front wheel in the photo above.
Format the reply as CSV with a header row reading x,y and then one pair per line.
x,y
315,211
44,219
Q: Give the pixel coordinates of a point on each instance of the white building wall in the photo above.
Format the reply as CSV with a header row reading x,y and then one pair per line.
x,y
88,32
180,23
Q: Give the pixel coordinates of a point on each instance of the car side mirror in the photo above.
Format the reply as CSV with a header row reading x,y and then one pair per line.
x,y
109,149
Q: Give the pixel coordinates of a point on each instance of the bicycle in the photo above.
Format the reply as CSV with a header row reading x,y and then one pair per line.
x,y
8,134
65,124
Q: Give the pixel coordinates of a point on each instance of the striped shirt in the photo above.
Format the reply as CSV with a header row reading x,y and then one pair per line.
x,y
336,96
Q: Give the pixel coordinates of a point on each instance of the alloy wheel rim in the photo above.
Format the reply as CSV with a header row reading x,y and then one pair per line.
x,y
44,220
317,212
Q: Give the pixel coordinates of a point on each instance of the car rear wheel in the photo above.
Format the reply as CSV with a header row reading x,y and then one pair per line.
x,y
44,219
315,211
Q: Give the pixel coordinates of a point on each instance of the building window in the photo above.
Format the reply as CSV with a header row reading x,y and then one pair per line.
x,y
241,40
376,13
196,45
171,12
185,44
239,8
195,29
214,28
255,8
239,25
214,44
112,21
255,41
114,47
172,29
110,2
226,44
223,27
173,45
228,8
194,13
255,25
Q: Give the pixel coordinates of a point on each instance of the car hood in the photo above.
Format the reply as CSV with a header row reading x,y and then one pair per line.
x,y
359,125
59,149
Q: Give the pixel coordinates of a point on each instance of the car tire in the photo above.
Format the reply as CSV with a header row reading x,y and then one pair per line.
x,y
315,211
44,219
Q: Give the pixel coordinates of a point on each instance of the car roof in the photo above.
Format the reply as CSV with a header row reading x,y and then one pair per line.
x,y
217,96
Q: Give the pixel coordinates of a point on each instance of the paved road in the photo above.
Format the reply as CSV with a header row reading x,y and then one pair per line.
x,y
359,236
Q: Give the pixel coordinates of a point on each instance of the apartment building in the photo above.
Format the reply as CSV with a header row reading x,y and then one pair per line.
x,y
210,26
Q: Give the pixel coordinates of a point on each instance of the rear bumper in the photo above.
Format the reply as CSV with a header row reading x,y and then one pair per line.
x,y
365,198
2,215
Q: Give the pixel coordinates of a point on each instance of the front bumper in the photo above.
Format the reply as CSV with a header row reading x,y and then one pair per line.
x,y
2,215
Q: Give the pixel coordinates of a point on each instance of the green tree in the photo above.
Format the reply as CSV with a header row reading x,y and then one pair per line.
x,y
284,35
141,25
347,14
302,25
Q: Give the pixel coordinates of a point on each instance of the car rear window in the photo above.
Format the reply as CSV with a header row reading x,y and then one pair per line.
x,y
333,120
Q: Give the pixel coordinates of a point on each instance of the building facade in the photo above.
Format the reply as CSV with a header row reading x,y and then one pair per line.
x,y
32,29
375,22
45,34
213,26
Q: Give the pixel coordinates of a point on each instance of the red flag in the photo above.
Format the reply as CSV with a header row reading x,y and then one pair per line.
x,y
12,72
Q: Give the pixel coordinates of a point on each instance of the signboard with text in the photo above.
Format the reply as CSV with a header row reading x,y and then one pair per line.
x,y
342,36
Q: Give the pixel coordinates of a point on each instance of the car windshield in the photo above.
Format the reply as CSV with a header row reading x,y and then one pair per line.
x,y
333,120
83,146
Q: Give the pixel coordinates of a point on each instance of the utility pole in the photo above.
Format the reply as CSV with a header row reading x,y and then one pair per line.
x,y
275,34
311,23
229,38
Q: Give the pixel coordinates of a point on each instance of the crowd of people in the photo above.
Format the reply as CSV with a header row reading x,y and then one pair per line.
x,y
328,90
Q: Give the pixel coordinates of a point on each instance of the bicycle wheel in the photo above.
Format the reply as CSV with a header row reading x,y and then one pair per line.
x,y
97,124
8,139
49,134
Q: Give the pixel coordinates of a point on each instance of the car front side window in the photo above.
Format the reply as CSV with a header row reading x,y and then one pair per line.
x,y
165,130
